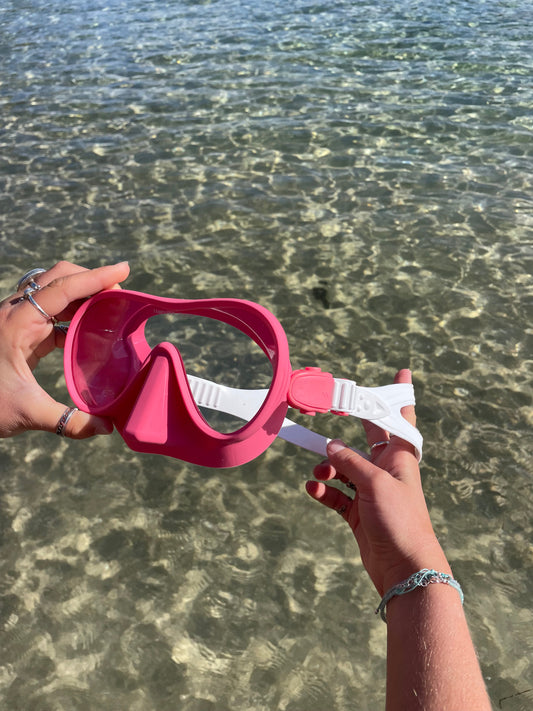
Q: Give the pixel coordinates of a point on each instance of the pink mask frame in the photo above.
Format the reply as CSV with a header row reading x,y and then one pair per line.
x,y
112,371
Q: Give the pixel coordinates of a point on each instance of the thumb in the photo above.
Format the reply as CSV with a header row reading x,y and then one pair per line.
x,y
46,414
81,425
359,470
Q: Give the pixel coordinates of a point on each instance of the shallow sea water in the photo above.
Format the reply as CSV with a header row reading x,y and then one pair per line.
x,y
365,171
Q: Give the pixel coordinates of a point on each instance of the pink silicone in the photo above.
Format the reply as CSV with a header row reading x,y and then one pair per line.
x,y
311,390
111,370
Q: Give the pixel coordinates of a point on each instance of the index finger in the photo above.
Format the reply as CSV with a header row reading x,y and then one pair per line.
x,y
58,294
349,464
61,269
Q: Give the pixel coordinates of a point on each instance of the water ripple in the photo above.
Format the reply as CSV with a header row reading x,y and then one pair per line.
x,y
362,169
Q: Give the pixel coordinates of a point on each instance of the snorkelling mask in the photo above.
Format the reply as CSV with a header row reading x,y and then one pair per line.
x,y
111,370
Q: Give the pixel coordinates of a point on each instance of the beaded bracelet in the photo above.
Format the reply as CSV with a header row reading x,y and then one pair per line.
x,y
422,579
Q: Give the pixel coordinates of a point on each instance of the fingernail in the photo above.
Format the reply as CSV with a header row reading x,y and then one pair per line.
x,y
322,471
311,487
315,489
336,445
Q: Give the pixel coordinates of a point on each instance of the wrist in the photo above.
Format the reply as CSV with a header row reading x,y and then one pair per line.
x,y
430,556
421,579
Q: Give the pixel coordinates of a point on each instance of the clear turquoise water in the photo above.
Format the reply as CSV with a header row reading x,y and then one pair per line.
x,y
365,171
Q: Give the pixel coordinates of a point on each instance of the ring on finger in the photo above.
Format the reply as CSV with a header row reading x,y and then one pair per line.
x,y
381,443
351,485
31,288
341,510
28,296
65,417
28,278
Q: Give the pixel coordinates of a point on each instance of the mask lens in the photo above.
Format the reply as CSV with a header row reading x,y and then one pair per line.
x,y
214,351
103,357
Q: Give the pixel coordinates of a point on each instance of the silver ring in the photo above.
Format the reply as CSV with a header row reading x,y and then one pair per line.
x,y
379,444
32,287
28,291
65,417
28,277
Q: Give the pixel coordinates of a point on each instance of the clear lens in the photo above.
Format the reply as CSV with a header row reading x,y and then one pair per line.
x,y
103,360
216,352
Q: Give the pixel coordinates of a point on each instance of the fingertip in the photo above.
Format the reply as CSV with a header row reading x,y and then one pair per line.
x,y
124,267
335,446
85,426
120,273
324,471
310,487
315,489
340,453
404,375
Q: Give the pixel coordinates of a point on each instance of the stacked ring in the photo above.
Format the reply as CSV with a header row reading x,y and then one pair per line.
x,y
28,296
29,286
28,278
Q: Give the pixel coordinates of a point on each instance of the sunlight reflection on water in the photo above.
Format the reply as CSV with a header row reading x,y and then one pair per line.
x,y
364,170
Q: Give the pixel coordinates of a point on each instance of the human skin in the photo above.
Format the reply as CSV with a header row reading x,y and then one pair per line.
x,y
27,336
431,660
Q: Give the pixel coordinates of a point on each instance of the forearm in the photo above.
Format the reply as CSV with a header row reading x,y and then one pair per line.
x,y
431,661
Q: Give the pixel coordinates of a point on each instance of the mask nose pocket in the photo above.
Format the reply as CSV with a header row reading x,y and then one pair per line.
x,y
158,415
215,351
159,396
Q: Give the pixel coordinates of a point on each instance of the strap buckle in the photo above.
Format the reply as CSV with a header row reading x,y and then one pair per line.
x,y
311,390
